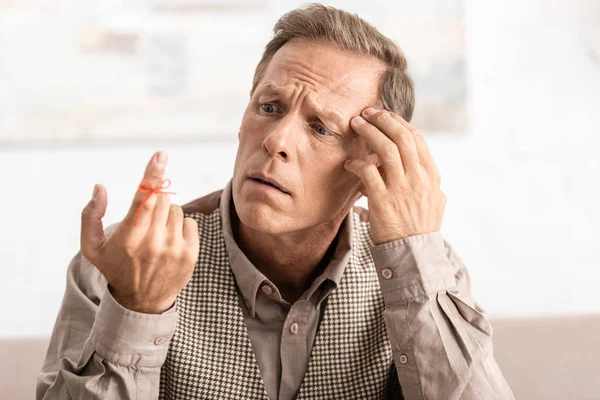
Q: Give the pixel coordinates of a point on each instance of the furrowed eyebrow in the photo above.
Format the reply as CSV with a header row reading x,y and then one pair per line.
x,y
271,90
334,117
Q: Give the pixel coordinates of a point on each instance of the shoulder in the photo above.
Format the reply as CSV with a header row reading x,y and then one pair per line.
x,y
205,204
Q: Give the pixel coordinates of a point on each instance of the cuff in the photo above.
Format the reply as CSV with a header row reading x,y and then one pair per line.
x,y
413,267
130,338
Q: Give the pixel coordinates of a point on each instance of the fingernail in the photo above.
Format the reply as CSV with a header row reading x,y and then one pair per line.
x,y
369,111
161,158
95,193
358,120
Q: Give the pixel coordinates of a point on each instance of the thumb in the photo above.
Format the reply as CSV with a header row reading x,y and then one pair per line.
x,y
92,229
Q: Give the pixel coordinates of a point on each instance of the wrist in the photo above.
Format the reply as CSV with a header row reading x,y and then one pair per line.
x,y
414,267
126,337
140,306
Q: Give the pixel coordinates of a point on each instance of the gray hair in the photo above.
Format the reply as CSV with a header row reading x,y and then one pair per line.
x,y
348,32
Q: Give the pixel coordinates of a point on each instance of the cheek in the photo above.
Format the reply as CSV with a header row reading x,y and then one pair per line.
x,y
324,180
251,131
248,138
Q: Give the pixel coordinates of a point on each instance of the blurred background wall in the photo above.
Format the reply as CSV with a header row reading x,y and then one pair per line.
x,y
518,151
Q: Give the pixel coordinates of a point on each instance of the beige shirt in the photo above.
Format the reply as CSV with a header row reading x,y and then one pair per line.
x,y
100,350
282,334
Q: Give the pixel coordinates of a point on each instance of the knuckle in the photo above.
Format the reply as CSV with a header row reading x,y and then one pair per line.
x,y
147,205
155,175
190,256
146,259
154,245
382,116
129,251
165,198
397,116
421,175
417,132
191,221
370,170
128,247
421,185
85,212
403,184
390,151
176,211
172,243
363,168
169,244
152,254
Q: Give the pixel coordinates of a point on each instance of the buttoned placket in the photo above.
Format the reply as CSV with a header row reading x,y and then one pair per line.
x,y
294,336
294,343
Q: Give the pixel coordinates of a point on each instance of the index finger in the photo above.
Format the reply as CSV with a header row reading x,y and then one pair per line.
x,y
144,201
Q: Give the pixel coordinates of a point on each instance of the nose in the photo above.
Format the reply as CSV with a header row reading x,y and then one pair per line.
x,y
284,138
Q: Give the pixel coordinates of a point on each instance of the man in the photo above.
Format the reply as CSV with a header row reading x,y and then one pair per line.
x,y
278,287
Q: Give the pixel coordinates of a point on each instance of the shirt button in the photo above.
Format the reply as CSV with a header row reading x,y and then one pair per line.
x,y
403,359
267,290
387,273
160,340
294,328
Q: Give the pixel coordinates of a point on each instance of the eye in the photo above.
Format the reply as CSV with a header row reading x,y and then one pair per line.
x,y
269,108
321,130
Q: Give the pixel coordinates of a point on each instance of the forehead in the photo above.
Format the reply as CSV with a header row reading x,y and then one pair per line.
x,y
332,77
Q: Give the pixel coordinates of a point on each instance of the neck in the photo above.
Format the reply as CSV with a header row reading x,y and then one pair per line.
x,y
291,261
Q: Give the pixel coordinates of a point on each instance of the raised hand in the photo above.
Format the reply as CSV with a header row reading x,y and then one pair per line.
x,y
151,255
405,198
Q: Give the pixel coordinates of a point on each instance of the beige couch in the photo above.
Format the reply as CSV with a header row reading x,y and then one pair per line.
x,y
543,358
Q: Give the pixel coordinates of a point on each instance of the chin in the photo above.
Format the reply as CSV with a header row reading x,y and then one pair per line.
x,y
260,216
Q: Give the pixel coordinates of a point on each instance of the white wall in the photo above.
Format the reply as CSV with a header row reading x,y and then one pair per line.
x,y
522,183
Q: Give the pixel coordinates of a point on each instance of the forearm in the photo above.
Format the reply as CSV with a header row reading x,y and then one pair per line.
x,y
100,350
441,340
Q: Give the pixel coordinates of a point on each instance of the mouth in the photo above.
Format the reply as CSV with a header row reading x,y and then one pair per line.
x,y
268,182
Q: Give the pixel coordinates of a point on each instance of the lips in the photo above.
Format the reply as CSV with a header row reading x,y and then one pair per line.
x,y
267,180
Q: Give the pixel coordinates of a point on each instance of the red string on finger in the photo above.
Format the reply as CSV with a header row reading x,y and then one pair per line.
x,y
146,187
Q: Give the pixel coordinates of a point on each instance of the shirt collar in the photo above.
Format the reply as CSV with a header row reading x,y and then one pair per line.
x,y
249,279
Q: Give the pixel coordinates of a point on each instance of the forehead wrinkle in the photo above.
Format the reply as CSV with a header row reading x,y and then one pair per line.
x,y
271,89
317,98
302,70
329,112
320,80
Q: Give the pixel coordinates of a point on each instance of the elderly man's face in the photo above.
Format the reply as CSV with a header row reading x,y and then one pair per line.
x,y
296,130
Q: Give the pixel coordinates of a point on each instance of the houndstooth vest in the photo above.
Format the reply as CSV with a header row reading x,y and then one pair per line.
x,y
211,356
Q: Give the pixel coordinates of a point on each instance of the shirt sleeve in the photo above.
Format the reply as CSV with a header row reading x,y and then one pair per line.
x,y
441,339
99,349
